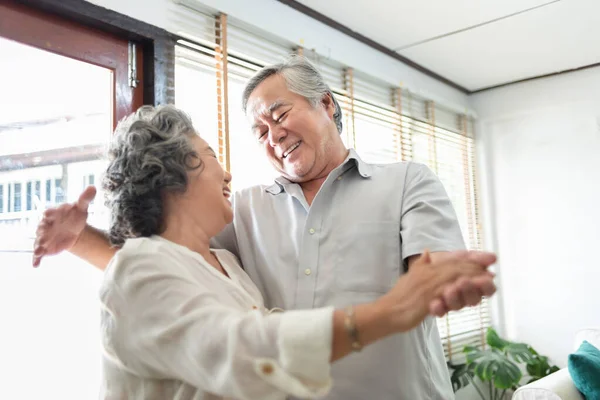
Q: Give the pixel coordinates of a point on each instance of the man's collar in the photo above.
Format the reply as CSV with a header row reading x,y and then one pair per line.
x,y
365,170
275,188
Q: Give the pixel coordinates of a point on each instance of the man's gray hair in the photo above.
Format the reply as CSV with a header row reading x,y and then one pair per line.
x,y
150,154
302,78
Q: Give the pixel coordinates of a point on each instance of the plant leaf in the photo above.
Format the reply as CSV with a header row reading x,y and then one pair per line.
x,y
518,352
534,368
460,375
553,369
473,354
498,364
493,365
538,367
494,340
532,351
469,349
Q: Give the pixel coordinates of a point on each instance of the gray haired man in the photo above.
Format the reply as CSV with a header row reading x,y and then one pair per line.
x,y
333,230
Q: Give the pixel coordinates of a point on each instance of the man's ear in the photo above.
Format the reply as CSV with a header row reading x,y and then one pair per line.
x,y
328,104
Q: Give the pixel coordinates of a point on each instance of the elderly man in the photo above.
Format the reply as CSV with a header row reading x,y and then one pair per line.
x,y
333,230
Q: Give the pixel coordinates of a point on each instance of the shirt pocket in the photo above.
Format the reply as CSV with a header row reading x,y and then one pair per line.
x,y
368,257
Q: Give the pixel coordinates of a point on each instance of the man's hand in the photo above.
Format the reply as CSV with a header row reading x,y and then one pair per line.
x,y
61,227
434,286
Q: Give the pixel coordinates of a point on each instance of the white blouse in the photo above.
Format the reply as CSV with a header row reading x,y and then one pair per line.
x,y
173,327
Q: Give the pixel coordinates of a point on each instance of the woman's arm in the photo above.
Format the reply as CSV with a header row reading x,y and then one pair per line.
x,y
93,246
64,228
164,325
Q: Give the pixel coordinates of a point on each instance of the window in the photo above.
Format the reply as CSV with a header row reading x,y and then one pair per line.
x,y
48,191
451,156
247,53
59,195
41,140
37,193
88,180
17,199
217,113
9,208
195,92
249,166
1,198
29,195
375,133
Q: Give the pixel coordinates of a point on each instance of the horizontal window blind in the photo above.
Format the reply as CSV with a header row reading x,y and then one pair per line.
x,y
197,69
261,50
384,123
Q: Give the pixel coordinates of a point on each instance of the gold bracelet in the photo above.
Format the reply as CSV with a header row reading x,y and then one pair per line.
x,y
350,325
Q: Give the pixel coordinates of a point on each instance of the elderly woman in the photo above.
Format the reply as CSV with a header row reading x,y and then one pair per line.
x,y
183,321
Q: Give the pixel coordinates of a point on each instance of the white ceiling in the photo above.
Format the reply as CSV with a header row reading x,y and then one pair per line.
x,y
545,39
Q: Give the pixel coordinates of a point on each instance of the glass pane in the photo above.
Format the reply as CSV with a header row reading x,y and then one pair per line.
x,y
249,165
375,141
17,199
53,131
196,94
451,171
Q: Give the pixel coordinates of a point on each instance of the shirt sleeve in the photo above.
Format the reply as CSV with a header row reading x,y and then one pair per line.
x,y
161,324
428,218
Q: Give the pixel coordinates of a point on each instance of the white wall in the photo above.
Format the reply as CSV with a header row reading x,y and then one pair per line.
x,y
287,23
540,146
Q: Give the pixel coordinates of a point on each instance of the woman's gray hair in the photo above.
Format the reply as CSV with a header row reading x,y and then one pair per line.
x,y
302,78
150,154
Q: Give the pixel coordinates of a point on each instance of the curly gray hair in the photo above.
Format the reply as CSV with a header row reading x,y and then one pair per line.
x,y
150,154
301,77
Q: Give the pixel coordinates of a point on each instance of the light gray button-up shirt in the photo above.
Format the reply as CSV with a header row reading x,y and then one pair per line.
x,y
349,247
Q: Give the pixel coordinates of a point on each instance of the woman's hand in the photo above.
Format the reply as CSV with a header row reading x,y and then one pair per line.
x,y
450,281
61,227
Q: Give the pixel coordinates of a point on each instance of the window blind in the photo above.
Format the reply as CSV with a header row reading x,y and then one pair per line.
x,y
198,70
384,123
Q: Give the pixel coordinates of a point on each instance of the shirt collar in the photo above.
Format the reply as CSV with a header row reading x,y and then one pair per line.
x,y
364,169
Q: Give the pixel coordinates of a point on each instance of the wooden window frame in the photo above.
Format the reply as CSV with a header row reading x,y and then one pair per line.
x,y
156,44
68,27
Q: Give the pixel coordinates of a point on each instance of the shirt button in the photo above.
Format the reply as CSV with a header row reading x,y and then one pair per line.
x,y
339,178
307,271
311,231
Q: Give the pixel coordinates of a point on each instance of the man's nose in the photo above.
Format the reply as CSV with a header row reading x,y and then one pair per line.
x,y
276,135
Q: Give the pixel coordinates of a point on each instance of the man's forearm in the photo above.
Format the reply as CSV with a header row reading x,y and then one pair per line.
x,y
93,246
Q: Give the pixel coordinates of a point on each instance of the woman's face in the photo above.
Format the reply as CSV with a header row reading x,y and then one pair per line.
x,y
208,189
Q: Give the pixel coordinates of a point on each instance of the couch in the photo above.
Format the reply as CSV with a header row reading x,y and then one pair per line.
x,y
558,386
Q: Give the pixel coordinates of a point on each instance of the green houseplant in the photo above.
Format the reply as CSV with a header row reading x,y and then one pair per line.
x,y
499,367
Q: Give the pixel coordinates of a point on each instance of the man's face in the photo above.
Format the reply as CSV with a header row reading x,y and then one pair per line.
x,y
294,135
